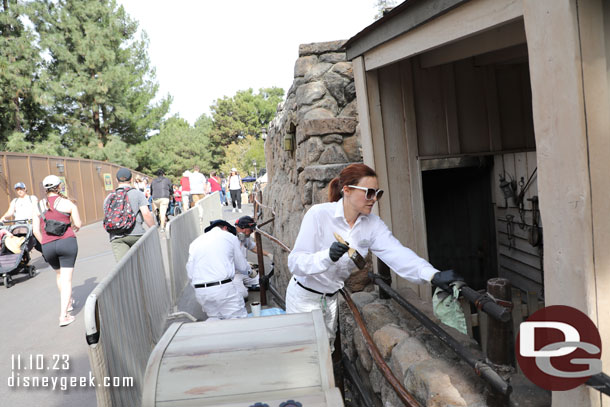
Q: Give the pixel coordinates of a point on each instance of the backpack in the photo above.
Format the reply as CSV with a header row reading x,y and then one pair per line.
x,y
118,213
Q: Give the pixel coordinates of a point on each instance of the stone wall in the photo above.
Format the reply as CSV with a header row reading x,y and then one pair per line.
x,y
320,117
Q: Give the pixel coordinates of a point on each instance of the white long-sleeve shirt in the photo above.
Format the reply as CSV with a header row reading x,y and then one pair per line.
x,y
311,265
215,256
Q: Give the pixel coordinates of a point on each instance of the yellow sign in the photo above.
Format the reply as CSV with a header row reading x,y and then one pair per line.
x,y
108,182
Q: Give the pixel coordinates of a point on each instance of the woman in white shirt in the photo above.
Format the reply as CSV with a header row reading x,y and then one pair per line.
x,y
22,207
235,188
317,263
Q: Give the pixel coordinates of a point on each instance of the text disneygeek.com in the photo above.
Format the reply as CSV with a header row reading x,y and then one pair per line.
x,y
26,373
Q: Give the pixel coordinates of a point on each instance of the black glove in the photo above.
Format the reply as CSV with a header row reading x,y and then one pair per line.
x,y
337,250
443,279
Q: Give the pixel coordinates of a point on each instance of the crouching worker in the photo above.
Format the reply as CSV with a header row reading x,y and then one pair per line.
x,y
214,257
317,260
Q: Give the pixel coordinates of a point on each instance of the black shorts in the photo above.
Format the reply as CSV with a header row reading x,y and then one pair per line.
x,y
60,253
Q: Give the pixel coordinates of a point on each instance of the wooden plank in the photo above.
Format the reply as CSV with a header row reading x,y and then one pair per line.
x,y
376,120
523,269
450,107
517,317
430,114
522,257
521,245
499,38
532,164
471,109
493,115
518,280
532,302
363,111
522,174
461,22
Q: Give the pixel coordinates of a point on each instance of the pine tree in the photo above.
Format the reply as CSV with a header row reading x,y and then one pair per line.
x,y
19,61
99,76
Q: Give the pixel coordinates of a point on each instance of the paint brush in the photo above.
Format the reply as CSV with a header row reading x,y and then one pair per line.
x,y
352,253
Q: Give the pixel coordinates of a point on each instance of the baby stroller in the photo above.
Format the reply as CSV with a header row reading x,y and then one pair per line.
x,y
15,263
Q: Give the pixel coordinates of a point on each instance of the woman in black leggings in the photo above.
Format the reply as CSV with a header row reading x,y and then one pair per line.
x,y
59,249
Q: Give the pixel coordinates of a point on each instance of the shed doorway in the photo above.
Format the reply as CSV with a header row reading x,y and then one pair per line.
x,y
460,223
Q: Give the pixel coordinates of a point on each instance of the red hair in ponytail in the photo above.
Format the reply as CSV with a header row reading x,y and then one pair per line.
x,y
351,175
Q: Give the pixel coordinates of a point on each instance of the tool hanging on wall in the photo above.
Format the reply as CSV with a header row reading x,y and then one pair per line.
x,y
509,188
535,232
510,231
520,199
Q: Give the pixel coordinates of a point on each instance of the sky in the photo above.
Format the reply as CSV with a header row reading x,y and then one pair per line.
x,y
204,50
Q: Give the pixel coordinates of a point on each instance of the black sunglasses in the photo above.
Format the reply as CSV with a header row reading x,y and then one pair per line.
x,y
370,193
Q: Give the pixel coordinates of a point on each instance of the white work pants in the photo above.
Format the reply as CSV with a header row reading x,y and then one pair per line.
x,y
299,299
239,283
221,301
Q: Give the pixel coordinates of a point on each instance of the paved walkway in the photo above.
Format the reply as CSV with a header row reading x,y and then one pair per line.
x,y
30,331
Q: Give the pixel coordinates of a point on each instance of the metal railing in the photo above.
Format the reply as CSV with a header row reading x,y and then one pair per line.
x,y
125,316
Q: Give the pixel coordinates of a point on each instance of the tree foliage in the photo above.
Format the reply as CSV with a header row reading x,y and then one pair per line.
x,y
20,110
177,147
243,154
99,82
244,114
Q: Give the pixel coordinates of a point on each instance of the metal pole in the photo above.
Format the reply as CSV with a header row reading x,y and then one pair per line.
x,y
365,395
480,367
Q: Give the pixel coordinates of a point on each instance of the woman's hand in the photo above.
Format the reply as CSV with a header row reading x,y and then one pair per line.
x,y
337,250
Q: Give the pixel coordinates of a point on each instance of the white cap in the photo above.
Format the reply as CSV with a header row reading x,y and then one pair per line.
x,y
233,169
186,173
51,181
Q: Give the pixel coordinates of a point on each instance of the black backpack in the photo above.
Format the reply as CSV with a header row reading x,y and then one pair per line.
x,y
118,213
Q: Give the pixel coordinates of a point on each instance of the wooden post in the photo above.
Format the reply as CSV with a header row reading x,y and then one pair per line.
x,y
498,337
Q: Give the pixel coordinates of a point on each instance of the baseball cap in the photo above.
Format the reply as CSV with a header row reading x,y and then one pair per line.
x,y
245,222
123,174
233,169
51,181
19,185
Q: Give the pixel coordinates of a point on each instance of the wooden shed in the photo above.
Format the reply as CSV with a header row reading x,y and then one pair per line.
x,y
487,122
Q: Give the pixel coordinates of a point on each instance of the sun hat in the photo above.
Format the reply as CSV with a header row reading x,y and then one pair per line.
x,y
19,185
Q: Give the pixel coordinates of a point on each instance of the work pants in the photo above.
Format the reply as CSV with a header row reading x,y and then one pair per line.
x,y
221,301
299,299
185,202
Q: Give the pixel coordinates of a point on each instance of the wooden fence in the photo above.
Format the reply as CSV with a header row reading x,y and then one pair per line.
x,y
86,180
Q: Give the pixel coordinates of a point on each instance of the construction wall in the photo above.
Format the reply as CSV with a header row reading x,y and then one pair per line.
x,y
84,180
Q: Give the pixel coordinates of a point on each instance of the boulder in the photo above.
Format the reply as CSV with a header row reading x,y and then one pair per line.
x,y
304,65
316,71
333,154
333,57
309,93
321,47
387,337
376,315
406,353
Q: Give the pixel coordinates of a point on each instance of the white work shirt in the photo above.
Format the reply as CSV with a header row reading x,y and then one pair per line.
x,y
247,244
197,183
215,256
311,265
